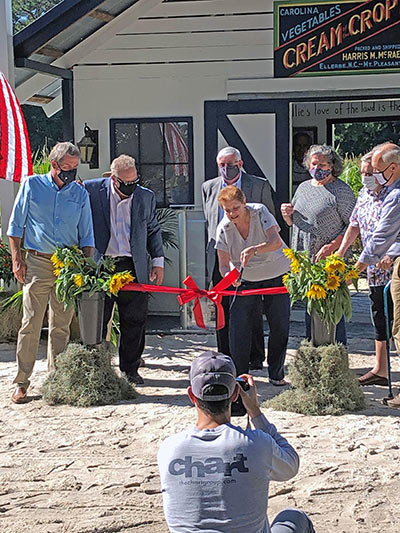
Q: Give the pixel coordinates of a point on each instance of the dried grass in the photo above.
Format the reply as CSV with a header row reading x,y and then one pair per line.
x,y
85,377
322,383
10,322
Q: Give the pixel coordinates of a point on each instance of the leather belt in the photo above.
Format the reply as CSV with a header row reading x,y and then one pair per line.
x,y
39,254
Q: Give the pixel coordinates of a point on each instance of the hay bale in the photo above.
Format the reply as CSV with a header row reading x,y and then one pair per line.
x,y
85,377
10,320
322,383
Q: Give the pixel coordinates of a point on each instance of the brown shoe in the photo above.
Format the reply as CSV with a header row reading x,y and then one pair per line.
x,y
19,395
395,402
372,379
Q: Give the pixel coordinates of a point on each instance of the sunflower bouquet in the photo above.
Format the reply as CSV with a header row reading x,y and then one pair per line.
x,y
323,284
77,274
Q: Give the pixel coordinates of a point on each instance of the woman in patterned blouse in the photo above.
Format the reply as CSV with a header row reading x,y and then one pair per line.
x,y
320,211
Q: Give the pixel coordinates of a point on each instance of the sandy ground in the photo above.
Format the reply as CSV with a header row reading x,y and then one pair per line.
x,y
66,469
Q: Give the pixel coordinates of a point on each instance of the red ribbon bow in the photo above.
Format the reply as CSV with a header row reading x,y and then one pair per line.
x,y
194,293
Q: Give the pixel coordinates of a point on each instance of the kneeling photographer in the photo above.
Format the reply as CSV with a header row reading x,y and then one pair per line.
x,y
215,476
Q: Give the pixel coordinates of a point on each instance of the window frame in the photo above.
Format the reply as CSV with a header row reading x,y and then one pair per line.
x,y
113,125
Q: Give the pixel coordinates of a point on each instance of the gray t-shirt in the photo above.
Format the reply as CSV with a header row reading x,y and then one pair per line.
x,y
216,480
321,213
262,266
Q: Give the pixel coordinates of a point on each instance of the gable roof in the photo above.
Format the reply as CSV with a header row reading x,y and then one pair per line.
x,y
48,38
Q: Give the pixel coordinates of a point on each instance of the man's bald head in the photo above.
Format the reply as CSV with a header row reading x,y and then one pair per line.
x,y
386,160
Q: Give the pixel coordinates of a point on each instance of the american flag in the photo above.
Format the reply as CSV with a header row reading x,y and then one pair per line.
x,y
177,148
15,151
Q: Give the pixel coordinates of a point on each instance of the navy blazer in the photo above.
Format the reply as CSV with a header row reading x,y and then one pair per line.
x,y
145,235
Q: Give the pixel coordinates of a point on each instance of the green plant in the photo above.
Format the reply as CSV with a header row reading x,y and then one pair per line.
x,y
168,221
322,383
40,161
85,377
323,284
352,174
6,273
77,273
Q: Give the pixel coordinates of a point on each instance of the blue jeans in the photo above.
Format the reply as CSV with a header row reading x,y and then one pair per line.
x,y
292,521
245,310
341,335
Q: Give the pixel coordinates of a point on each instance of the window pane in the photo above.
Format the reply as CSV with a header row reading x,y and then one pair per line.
x,y
152,176
176,142
151,142
126,139
177,183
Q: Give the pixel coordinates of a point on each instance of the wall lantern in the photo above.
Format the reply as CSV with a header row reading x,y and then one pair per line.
x,y
89,147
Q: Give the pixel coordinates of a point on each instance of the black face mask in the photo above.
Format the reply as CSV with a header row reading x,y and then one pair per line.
x,y
67,176
126,188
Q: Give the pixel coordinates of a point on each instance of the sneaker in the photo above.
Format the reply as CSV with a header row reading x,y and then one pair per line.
x,y
135,378
395,402
278,382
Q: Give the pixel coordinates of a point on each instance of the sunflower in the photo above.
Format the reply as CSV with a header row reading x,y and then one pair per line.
x,y
285,278
295,266
118,280
333,282
351,274
78,280
289,253
316,292
336,264
56,261
57,271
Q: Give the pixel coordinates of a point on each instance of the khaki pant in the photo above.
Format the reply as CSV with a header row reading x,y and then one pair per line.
x,y
395,291
38,291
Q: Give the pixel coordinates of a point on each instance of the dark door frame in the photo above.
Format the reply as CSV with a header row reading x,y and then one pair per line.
x,y
216,119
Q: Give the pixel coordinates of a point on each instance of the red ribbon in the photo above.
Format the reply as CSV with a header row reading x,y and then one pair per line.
x,y
194,293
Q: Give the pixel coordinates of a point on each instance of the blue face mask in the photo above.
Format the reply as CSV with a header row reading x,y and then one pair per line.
x,y
319,174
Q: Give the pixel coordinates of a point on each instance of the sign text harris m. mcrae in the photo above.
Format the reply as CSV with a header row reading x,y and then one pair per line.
x,y
319,38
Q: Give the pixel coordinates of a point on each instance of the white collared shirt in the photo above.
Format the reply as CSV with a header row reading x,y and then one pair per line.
x,y
120,228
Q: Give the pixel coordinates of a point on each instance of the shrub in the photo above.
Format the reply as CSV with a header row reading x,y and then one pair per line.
x,y
85,377
322,383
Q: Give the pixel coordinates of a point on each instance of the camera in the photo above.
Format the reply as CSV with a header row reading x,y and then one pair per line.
x,y
243,383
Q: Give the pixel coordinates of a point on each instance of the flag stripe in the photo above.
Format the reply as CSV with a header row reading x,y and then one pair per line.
x,y
177,148
14,167
15,152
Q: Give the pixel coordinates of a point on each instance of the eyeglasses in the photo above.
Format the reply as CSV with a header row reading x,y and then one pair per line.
x,y
133,182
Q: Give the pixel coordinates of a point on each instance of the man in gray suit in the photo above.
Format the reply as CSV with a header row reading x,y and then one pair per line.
x,y
126,228
257,190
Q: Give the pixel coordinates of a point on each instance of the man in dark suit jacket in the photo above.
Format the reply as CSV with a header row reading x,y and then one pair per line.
x,y
257,190
126,228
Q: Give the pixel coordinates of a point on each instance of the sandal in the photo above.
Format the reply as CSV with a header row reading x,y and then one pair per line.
x,y
372,379
278,382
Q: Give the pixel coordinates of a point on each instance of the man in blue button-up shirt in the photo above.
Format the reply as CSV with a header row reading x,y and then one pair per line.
x,y
386,169
50,210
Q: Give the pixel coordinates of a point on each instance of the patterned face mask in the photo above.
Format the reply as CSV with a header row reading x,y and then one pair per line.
x,y
319,174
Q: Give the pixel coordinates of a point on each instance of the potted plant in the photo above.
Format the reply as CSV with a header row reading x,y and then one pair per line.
x,y
83,283
323,285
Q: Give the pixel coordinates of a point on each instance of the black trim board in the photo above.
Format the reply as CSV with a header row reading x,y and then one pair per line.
x,y
40,32
37,66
